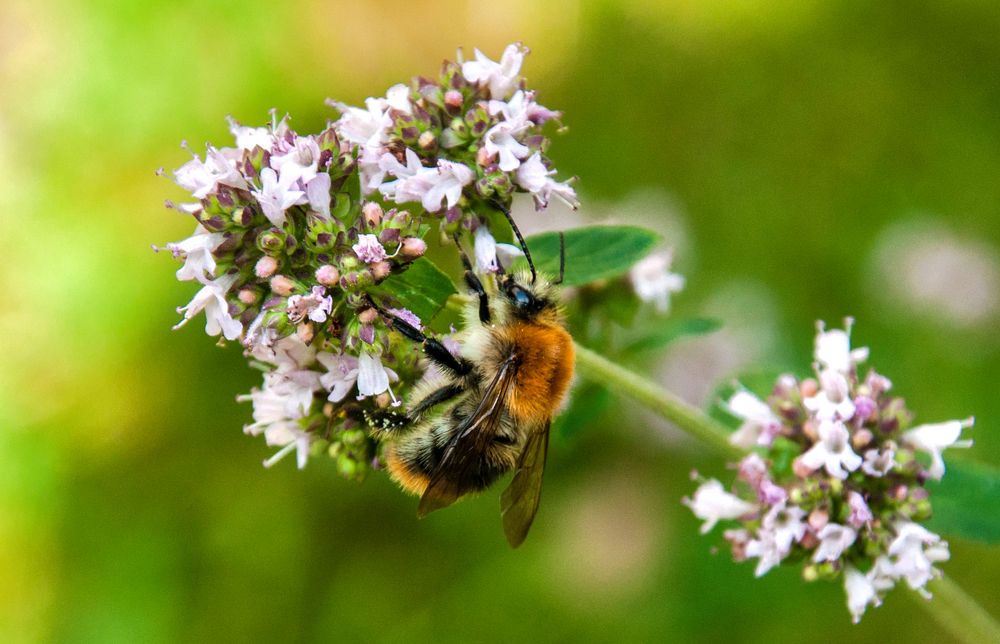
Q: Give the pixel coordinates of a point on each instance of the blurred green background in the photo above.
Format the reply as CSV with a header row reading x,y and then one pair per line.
x,y
807,160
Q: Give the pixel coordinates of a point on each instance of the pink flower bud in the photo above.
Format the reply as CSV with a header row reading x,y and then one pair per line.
x,y
483,157
328,275
453,99
281,285
372,212
248,296
427,140
413,247
381,270
809,387
266,267
368,316
305,332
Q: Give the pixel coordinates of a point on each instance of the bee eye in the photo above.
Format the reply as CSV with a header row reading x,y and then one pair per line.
x,y
520,297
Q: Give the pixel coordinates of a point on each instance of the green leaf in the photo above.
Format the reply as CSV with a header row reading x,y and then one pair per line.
x,y
671,330
592,253
423,288
966,502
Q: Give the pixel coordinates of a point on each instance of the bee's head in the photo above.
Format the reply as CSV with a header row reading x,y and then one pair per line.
x,y
525,298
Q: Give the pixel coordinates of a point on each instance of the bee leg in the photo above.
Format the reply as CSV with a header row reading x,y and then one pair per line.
x,y
475,285
432,348
382,423
436,397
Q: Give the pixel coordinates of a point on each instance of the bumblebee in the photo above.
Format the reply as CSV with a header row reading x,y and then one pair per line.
x,y
487,411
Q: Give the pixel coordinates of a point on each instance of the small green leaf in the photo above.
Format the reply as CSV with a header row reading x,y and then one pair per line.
x,y
671,330
966,502
423,288
592,253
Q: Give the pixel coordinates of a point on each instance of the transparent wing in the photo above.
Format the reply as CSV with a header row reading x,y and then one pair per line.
x,y
519,501
463,455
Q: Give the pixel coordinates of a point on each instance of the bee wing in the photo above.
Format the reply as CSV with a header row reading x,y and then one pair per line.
x,y
464,451
519,501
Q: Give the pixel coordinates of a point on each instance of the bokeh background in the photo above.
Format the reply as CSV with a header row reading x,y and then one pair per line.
x,y
807,160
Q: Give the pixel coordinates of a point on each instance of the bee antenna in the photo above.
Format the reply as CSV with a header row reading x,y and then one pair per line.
x,y
562,258
520,238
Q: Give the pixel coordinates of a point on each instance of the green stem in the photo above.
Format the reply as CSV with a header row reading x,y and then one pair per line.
x,y
958,613
951,607
687,417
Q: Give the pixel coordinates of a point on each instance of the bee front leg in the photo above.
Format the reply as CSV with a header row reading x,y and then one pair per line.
x,y
432,348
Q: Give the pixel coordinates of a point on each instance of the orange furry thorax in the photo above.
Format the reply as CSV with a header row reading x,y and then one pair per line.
x,y
545,368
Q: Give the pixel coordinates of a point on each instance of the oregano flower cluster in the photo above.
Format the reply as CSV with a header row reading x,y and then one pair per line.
x,y
834,479
298,237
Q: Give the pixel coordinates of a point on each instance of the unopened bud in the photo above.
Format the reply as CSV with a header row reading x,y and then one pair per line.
x,y
368,316
281,285
413,247
810,573
809,387
328,409
248,296
427,140
453,99
810,431
271,242
483,157
818,518
861,439
372,212
305,332
266,267
346,465
381,270
382,400
328,275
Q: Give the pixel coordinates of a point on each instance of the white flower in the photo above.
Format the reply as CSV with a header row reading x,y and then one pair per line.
x,y
248,138
834,540
373,378
833,400
370,169
368,249
501,78
913,553
317,305
781,526
500,140
653,282
713,504
532,175
860,592
507,253
760,424
389,164
365,127
201,177
833,349
212,299
199,263
832,451
298,160
935,438
561,190
398,98
879,463
275,197
318,194
342,373
860,512
446,185
485,249
277,409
